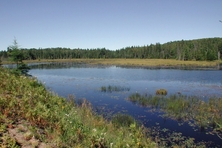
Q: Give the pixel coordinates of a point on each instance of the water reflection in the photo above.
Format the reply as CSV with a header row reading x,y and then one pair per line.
x,y
62,65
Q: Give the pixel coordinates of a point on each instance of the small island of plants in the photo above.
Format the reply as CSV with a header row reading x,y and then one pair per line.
x,y
204,114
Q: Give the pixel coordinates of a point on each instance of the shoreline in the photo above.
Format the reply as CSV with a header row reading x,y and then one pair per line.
x,y
138,63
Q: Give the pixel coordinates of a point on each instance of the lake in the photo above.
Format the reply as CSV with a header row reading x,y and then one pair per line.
x,y
85,81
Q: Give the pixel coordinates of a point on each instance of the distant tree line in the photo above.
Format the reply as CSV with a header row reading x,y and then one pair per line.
x,y
200,49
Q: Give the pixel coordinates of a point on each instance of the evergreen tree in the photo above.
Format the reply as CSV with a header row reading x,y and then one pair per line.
x,y
199,49
15,53
17,56
219,50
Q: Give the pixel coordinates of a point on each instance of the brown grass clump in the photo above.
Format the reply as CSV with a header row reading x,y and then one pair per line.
x,y
161,92
135,62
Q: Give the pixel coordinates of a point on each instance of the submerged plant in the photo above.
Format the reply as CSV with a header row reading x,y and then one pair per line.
x,y
114,89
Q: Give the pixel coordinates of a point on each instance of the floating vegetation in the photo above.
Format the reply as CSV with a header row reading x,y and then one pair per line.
x,y
166,138
114,89
122,120
186,108
161,92
145,100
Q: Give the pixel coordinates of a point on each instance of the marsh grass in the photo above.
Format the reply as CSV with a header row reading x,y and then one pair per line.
x,y
155,62
123,120
161,63
205,114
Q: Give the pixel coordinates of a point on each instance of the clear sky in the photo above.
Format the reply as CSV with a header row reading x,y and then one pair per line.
x,y
112,24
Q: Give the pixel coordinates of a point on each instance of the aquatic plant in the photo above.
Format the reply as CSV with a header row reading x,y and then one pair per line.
x,y
145,100
186,108
113,89
167,138
122,120
103,88
161,92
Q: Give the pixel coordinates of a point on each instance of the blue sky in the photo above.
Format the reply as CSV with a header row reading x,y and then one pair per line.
x,y
112,24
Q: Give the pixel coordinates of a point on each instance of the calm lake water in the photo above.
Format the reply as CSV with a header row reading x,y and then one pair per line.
x,y
85,81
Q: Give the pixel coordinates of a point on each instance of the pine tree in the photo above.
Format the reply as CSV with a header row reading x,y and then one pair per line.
x,y
219,50
17,56
15,53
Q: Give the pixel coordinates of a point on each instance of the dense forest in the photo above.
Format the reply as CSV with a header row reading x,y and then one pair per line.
x,y
199,49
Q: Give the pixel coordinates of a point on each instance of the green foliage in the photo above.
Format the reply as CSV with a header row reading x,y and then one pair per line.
x,y
123,120
220,47
180,107
199,50
23,68
15,54
0,61
8,142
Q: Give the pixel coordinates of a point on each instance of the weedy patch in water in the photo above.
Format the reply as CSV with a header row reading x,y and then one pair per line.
x,y
167,138
161,92
205,114
122,120
114,89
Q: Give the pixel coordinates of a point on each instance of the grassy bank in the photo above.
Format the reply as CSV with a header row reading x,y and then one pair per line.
x,y
135,62
55,121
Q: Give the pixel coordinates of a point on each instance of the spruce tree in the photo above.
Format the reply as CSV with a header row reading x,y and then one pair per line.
x,y
16,55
